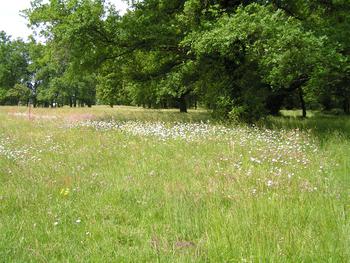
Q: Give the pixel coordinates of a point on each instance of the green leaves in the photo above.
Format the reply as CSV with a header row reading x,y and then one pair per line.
x,y
285,48
223,54
13,67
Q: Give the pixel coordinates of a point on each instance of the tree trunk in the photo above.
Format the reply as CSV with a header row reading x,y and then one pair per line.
x,y
274,102
182,104
34,102
297,85
346,105
302,101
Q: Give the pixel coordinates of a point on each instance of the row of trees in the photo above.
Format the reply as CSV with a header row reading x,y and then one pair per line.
x,y
242,59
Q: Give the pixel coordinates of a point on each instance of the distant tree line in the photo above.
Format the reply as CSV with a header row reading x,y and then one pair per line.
x,y
241,59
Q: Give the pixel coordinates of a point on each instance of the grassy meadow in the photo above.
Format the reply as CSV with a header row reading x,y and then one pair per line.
x,y
134,185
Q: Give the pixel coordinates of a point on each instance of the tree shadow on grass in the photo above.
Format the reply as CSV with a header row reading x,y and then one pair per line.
x,y
322,125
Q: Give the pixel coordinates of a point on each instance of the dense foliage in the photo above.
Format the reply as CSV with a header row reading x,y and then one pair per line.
x,y
242,59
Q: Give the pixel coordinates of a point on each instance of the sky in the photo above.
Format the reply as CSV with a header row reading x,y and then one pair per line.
x,y
13,24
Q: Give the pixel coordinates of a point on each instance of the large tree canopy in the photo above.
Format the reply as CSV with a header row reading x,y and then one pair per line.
x,y
13,70
242,59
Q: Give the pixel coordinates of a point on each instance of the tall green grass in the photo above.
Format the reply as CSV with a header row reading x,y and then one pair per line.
x,y
86,195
